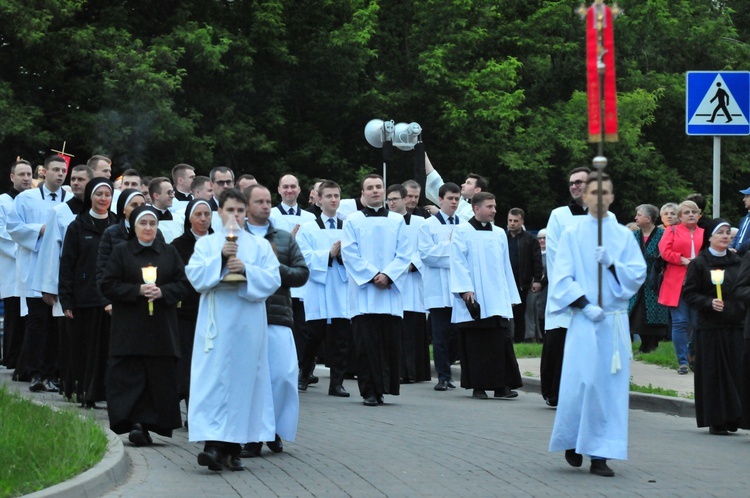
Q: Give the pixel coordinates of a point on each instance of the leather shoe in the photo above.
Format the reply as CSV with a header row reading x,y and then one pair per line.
x,y
479,394
137,436
37,386
451,385
380,399
370,401
441,386
338,391
233,463
573,458
312,379
50,386
211,459
506,393
276,445
551,402
302,385
718,430
599,467
251,450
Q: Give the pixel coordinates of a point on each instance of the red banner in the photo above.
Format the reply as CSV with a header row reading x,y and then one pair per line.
x,y
600,18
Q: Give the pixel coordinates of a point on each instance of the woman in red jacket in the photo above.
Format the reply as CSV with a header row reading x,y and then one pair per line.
x,y
678,247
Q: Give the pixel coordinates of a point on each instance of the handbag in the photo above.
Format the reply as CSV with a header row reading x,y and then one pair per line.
x,y
656,277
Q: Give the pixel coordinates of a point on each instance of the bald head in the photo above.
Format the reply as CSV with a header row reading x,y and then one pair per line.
x,y
289,189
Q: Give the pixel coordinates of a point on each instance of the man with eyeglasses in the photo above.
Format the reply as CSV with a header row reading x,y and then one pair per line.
x,y
222,178
556,326
161,193
415,343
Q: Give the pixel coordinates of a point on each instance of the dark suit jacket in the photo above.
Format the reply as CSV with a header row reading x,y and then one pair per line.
x,y
530,266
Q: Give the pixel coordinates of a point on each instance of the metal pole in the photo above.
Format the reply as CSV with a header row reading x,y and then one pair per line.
x,y
717,177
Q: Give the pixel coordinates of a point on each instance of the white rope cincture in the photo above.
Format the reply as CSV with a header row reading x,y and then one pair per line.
x,y
618,330
212,329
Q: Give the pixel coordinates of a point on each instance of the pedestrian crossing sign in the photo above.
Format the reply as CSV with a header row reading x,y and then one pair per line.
x,y
717,103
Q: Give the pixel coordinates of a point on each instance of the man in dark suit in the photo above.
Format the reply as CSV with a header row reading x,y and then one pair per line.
x,y
526,260
182,177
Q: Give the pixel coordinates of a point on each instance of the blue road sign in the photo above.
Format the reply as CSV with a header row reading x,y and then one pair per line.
x,y
717,103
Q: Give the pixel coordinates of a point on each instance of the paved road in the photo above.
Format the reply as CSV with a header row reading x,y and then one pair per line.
x,y
424,443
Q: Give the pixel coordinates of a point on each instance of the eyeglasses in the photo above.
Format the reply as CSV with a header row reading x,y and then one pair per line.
x,y
394,199
224,183
576,183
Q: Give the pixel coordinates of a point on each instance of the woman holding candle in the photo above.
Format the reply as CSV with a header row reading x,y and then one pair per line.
x,y
142,385
83,304
711,289
680,244
197,224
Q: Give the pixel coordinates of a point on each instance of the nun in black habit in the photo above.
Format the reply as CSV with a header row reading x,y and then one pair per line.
x,y
84,306
142,385
718,336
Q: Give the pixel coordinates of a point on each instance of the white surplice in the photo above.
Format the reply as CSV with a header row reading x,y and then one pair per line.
x,y
326,295
435,252
230,387
480,264
413,286
8,250
283,221
372,245
433,182
592,414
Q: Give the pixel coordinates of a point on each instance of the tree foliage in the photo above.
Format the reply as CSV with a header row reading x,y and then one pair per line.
x,y
275,86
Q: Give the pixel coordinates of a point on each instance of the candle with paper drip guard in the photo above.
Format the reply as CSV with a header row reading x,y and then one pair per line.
x,y
231,233
149,277
717,278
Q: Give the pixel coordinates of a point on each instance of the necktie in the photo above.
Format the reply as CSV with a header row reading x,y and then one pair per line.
x,y
53,195
450,219
331,223
291,211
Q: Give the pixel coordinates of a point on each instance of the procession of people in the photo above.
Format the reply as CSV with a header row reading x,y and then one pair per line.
x,y
202,292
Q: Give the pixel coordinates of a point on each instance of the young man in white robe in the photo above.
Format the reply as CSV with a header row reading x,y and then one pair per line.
x,y
282,354
481,275
415,344
13,324
592,414
375,251
326,297
230,394
26,226
435,236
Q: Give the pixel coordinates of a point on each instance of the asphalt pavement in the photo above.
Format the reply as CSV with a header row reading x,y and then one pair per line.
x,y
428,443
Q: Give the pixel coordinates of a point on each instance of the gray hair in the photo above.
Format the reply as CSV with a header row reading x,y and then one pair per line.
x,y
649,210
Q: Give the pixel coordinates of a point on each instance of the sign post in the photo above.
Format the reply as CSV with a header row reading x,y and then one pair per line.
x,y
717,104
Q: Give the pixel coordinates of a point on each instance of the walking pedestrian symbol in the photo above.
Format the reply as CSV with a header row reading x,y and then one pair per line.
x,y
718,103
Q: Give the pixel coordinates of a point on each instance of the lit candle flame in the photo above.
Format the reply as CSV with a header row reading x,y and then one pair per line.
x,y
149,277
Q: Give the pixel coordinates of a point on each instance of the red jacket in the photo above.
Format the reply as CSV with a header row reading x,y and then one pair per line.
x,y
676,243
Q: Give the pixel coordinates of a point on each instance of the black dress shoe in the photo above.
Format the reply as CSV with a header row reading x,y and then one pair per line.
x,y
312,379
451,385
551,402
718,430
137,436
506,393
573,458
441,386
37,386
599,467
338,391
479,394
211,459
302,384
370,401
276,445
233,463
251,450
380,399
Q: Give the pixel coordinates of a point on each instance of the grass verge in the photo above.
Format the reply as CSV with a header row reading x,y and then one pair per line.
x,y
40,447
664,355
653,390
528,350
